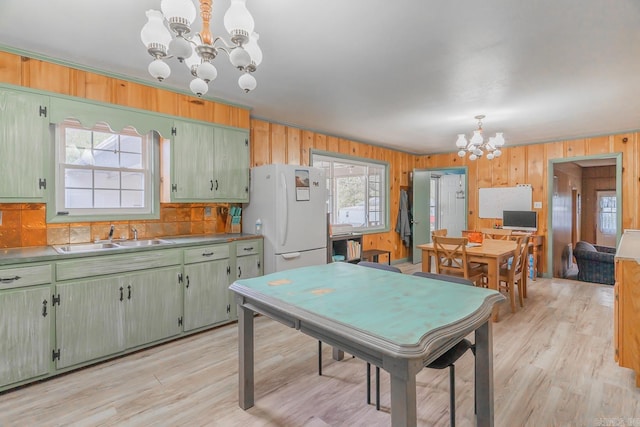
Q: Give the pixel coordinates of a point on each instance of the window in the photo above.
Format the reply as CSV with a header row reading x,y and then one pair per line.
x,y
102,172
357,191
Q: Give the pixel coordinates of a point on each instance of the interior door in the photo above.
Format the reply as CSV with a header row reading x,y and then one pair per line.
x,y
420,229
606,229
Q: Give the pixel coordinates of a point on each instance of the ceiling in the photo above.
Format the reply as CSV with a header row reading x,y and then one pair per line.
x,y
408,75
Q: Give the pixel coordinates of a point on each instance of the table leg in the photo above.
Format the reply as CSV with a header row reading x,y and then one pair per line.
x,y
493,276
245,357
403,393
484,375
426,261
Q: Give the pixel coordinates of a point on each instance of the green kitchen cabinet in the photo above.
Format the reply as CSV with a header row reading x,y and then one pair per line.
x,y
153,305
208,163
25,323
206,281
249,263
25,144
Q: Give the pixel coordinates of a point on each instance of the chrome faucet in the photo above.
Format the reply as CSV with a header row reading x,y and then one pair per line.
x,y
111,231
135,233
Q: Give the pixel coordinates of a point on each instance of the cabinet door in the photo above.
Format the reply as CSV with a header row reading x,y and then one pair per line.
x,y
24,145
89,320
231,165
192,162
153,305
25,334
206,293
246,267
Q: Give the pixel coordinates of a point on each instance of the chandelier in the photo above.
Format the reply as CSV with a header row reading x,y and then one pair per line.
x,y
477,146
199,51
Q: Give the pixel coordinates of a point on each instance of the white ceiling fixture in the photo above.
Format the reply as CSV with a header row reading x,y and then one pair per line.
x,y
477,146
199,51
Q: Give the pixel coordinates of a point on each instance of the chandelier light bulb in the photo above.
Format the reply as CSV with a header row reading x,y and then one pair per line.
x,y
497,153
207,71
461,142
473,157
462,153
247,82
239,22
180,48
499,139
198,86
477,146
159,69
476,139
254,50
240,58
182,11
154,33
490,156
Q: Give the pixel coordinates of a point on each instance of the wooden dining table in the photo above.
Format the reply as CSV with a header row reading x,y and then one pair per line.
x,y
491,252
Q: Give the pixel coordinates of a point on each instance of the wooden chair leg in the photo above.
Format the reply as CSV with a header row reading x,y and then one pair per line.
x,y
512,297
521,291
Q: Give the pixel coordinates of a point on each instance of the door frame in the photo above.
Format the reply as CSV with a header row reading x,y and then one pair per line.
x,y
550,172
461,170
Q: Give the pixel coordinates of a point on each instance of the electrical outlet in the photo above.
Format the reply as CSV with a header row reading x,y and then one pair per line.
x,y
0,217
207,211
537,205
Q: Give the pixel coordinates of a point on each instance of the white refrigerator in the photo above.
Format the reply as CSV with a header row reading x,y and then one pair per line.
x,y
291,202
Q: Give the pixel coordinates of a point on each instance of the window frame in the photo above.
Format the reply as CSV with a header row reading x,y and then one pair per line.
x,y
357,161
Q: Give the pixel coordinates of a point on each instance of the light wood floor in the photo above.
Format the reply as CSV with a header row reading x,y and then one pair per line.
x,y
553,366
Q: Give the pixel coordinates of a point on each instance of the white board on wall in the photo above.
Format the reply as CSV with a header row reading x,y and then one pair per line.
x,y
492,201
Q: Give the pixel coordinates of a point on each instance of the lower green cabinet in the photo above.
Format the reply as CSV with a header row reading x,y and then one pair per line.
x,y
248,264
206,277
25,346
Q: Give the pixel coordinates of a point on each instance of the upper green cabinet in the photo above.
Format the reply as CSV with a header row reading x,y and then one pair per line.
x,y
208,163
24,145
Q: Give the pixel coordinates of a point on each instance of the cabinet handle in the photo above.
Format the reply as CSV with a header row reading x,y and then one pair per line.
x,y
9,279
121,293
129,288
44,308
208,253
187,285
248,249
216,185
239,272
211,185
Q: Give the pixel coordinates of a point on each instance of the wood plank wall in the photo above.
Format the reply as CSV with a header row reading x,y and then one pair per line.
x,y
273,143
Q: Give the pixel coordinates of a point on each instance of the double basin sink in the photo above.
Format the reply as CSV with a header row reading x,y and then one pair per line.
x,y
102,246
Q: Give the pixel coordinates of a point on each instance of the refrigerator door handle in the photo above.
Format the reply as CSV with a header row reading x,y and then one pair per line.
x,y
291,255
284,201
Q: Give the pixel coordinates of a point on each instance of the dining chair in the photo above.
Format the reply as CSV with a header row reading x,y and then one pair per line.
x,y
446,360
369,265
496,233
514,275
442,232
451,259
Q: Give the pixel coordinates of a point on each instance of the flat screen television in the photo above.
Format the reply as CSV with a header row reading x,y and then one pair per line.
x,y
520,220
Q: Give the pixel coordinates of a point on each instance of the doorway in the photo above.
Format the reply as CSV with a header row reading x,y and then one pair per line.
x,y
439,201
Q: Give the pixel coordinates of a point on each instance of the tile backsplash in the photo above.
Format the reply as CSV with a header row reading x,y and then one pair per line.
x,y
24,224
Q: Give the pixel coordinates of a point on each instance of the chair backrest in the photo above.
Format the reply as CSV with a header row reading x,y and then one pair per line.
x,y
441,232
380,266
520,258
496,233
443,277
451,255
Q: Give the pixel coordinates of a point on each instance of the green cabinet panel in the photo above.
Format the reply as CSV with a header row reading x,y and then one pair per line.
x,y
206,293
89,320
209,163
231,165
153,305
24,145
25,334
192,162
249,264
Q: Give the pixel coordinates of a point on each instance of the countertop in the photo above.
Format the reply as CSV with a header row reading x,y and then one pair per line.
x,y
48,253
629,246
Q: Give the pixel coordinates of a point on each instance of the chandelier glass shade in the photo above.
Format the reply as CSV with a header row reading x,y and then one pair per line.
x,y
477,146
198,51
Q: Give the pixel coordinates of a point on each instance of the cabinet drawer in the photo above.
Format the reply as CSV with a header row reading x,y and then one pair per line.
x,y
17,277
113,264
206,253
250,247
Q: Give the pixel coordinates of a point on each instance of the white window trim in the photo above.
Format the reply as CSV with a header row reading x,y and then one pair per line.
x,y
318,155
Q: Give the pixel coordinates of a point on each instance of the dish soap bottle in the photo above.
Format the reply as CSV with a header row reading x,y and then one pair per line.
x,y
258,226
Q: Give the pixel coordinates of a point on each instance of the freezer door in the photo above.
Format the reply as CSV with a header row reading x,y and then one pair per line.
x,y
301,209
300,259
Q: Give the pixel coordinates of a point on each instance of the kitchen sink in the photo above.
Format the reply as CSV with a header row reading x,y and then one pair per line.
x,y
85,247
142,243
